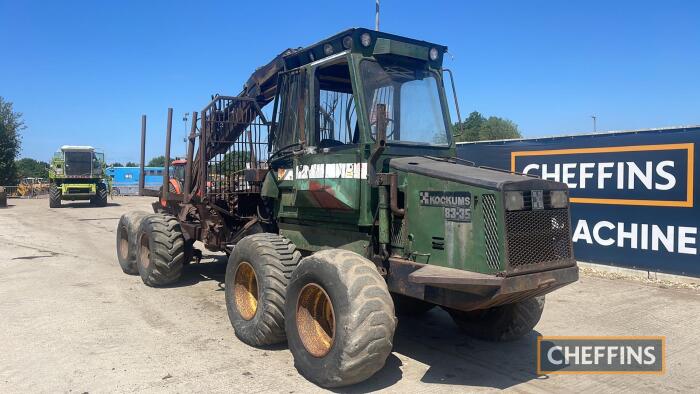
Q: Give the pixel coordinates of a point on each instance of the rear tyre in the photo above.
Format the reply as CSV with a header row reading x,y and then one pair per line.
x,y
54,196
502,323
160,250
100,199
257,275
339,318
409,306
127,235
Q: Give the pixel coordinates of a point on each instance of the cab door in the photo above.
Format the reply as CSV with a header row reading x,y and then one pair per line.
x,y
288,137
322,182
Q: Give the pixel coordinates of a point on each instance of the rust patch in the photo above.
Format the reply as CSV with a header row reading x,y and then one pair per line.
x,y
324,196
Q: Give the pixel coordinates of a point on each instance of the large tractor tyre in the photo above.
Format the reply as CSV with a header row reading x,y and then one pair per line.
x,y
160,251
340,319
100,199
257,275
127,235
54,196
501,323
409,306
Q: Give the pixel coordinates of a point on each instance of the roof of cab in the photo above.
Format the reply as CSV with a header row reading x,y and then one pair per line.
x,y
84,148
300,56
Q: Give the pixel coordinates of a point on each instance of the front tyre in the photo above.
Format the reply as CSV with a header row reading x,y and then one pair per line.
x,y
339,318
54,196
257,275
501,323
100,199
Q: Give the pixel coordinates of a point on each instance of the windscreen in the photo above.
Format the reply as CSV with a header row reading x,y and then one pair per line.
x,y
78,163
178,172
411,99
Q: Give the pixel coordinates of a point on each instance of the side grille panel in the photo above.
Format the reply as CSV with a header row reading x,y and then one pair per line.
x,y
491,231
398,233
539,237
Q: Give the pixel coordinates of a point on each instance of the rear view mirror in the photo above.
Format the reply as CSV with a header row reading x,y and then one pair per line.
x,y
459,131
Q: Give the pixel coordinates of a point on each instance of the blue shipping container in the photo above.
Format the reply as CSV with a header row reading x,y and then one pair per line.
x,y
125,180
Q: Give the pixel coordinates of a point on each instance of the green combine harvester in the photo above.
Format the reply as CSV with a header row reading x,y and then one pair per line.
x,y
77,173
345,206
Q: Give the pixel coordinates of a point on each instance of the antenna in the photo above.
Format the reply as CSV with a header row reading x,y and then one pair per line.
x,y
376,17
184,120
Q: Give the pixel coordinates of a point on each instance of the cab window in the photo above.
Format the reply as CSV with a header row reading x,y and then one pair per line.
x,y
290,114
334,110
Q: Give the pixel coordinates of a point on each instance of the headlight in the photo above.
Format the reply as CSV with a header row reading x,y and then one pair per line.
x,y
558,198
433,54
515,201
328,49
347,42
365,39
59,170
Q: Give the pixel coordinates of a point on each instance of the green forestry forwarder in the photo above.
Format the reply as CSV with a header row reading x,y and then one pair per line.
x,y
348,207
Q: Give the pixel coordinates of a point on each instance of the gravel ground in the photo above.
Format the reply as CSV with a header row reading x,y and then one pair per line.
x,y
70,321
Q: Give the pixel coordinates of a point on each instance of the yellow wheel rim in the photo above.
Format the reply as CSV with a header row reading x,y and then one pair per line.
x,y
123,242
315,320
245,290
145,257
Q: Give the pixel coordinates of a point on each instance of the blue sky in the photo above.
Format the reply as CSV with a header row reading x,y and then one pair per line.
x,y
83,72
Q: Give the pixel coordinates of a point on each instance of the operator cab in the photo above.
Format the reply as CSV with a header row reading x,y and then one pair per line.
x,y
351,78
177,169
79,161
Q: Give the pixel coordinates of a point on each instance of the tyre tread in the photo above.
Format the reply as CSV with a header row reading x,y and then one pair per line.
x,y
279,257
370,326
502,323
167,245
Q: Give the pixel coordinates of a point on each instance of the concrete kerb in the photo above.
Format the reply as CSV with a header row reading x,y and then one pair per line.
x,y
646,275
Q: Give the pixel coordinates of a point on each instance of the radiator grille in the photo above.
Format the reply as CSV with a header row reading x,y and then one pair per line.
x,y
78,190
537,237
491,231
398,233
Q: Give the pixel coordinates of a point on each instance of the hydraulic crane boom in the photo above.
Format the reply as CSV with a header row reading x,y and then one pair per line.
x,y
233,119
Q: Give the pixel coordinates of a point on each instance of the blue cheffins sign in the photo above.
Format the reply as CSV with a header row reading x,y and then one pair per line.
x,y
631,193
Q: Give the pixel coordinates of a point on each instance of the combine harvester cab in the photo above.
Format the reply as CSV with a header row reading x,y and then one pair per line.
x,y
345,205
77,173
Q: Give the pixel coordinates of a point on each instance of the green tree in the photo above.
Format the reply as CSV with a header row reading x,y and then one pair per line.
x,y
116,164
130,164
158,161
479,128
30,168
10,126
231,163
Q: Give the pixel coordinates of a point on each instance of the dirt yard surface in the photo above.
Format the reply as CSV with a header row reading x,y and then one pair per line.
x,y
71,321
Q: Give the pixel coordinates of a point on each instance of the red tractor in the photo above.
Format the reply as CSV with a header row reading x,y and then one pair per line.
x,y
177,175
